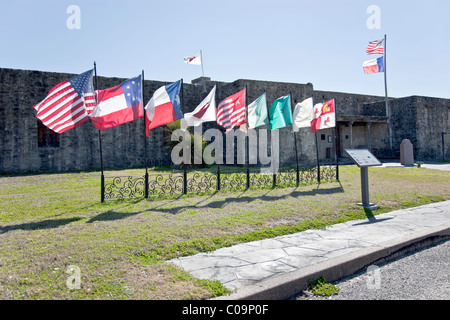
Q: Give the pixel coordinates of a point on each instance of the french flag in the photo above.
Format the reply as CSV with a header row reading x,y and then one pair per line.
x,y
118,105
164,107
374,66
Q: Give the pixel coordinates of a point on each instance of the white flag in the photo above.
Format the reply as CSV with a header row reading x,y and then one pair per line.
x,y
303,115
205,111
196,59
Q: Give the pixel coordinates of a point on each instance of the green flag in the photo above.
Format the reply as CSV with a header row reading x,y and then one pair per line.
x,y
280,113
257,112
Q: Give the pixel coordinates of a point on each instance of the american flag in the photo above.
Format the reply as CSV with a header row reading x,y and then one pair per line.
x,y
231,111
68,104
376,47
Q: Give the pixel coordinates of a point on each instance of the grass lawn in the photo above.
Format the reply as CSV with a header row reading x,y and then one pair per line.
x,y
49,222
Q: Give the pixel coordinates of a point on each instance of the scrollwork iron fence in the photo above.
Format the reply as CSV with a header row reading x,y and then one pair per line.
x,y
178,183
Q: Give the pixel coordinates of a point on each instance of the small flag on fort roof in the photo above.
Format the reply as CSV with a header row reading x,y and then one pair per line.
x,y
68,104
280,113
118,105
195,59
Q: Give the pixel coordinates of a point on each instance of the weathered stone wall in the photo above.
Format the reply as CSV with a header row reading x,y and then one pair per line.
x,y
420,119
432,119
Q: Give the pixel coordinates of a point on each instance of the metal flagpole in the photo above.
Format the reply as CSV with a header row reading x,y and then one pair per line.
x,y
335,137
145,138
296,150
274,175
318,161
247,141
184,142
386,94
218,164
201,61
102,179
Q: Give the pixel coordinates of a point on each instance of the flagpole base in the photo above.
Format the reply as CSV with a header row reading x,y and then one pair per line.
x,y
370,206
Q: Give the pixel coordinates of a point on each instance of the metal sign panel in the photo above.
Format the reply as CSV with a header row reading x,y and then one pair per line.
x,y
363,157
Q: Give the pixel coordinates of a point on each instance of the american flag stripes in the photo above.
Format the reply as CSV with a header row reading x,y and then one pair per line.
x,y
68,104
231,111
376,47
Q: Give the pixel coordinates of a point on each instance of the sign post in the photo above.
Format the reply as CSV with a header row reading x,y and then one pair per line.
x,y
364,159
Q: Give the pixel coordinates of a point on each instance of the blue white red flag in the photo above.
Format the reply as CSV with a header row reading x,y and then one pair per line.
x,y
164,107
374,66
68,104
118,105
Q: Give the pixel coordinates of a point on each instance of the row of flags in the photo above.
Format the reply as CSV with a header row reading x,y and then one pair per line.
x,y
72,102
375,65
232,112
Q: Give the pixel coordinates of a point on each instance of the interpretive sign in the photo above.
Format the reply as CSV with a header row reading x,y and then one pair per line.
x,y
364,159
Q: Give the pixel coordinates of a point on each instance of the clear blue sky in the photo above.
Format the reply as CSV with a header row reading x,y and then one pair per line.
x,y
300,41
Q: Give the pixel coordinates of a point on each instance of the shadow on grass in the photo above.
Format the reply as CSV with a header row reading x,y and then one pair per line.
x,y
111,215
371,217
45,224
242,198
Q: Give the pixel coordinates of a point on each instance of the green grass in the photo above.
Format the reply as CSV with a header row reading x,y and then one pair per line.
x,y
322,288
51,221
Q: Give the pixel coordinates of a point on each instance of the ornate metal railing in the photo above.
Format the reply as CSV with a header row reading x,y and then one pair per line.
x,y
184,182
125,187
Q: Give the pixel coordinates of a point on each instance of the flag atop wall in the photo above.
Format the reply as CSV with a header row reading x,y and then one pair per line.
x,y
280,113
231,111
205,112
324,116
164,107
374,65
118,105
195,59
376,47
257,112
68,104
303,115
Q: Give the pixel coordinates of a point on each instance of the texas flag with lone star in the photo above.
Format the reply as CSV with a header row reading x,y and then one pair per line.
x,y
164,107
324,116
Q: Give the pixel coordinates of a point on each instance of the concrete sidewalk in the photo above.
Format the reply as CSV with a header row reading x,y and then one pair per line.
x,y
281,267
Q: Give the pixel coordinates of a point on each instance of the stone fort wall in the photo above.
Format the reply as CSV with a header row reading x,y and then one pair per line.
x,y
25,148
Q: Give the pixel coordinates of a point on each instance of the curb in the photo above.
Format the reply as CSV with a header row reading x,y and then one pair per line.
x,y
288,285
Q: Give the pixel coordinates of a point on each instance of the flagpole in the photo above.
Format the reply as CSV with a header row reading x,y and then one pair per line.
x,y
102,179
201,61
247,141
274,175
217,126
184,142
296,150
318,161
386,93
145,138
